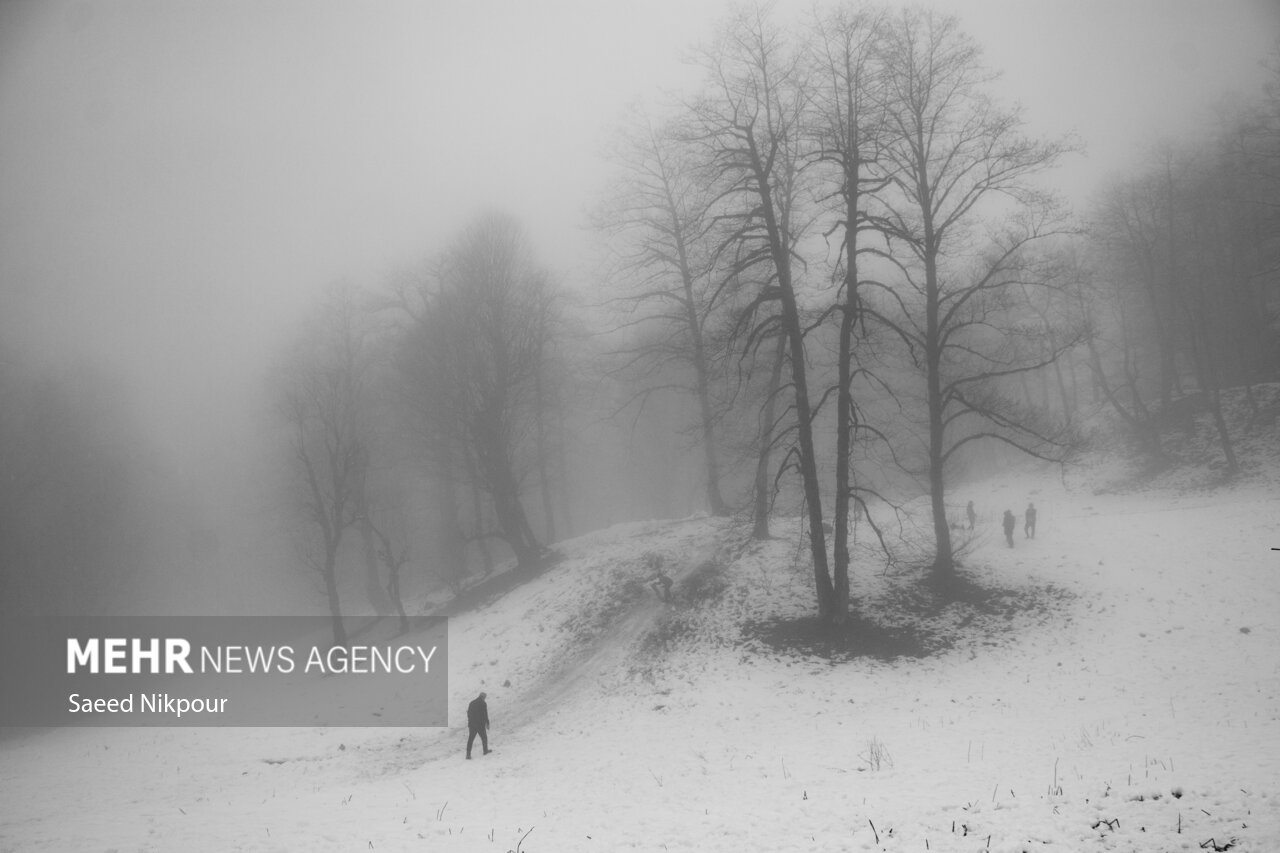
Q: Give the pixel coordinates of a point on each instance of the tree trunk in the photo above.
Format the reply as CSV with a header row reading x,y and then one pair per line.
x,y
1026,391
844,441
1042,377
477,511
450,541
511,516
804,416
394,564
393,592
702,371
1224,434
1139,422
540,433
331,590
780,252
763,487
1063,393
1075,386
1252,400
944,559
1207,375
495,452
562,463
715,501
377,596
372,575
845,423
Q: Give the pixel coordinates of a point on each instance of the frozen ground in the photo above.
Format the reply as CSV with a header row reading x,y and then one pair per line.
x,y
1123,694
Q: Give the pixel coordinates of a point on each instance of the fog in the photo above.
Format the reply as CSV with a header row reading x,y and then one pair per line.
x,y
179,182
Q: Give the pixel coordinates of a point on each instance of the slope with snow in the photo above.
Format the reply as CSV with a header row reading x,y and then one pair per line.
x,y
1122,694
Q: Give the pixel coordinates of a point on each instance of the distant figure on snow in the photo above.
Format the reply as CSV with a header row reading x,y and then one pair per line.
x,y
478,722
1029,529
1009,523
661,584
973,515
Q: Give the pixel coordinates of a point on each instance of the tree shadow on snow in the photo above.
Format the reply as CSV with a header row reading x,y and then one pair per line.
x,y
857,637
932,596
917,618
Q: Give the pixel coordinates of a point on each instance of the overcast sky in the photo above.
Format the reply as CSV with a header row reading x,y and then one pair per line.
x,y
176,178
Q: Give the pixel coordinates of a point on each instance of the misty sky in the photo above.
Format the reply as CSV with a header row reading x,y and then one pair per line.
x,y
177,178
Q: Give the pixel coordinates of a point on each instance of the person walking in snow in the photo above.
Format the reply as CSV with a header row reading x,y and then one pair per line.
x,y
1009,523
1029,528
478,723
661,585
973,515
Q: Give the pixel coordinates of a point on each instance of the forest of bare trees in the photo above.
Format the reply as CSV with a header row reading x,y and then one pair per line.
x,y
832,277
865,187
830,274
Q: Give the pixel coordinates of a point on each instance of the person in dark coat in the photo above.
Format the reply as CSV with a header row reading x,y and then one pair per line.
x,y
972,513
1009,523
661,584
478,722
1029,529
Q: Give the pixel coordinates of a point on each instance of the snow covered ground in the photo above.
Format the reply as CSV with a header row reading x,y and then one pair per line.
x,y
1124,695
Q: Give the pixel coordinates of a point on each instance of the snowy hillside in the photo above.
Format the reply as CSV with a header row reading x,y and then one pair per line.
x,y
1113,684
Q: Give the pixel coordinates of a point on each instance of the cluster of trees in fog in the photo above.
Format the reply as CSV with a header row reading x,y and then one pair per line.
x,y
428,405
77,506
837,265
1179,289
833,282
845,218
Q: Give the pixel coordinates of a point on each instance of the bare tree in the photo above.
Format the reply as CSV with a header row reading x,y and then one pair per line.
x,y
1137,226
373,589
1053,311
1121,302
749,127
954,155
662,225
848,125
394,561
1188,240
473,360
434,423
1200,290
323,399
